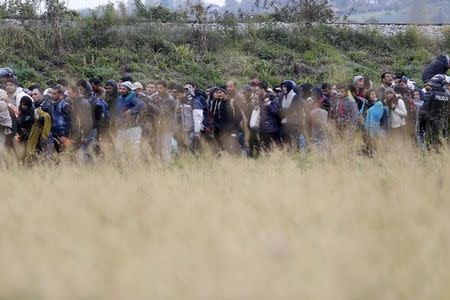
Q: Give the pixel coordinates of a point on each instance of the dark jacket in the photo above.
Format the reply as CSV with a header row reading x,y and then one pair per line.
x,y
111,99
61,118
269,114
128,103
226,116
292,115
435,111
101,115
46,105
439,66
26,119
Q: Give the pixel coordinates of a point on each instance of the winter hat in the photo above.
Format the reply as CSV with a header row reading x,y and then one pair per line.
x,y
137,85
357,78
220,88
5,118
289,84
128,85
6,72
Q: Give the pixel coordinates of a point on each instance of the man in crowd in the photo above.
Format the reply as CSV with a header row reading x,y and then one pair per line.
x,y
387,81
435,113
61,119
41,101
14,91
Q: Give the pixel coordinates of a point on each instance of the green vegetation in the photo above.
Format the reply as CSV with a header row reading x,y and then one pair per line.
x,y
109,43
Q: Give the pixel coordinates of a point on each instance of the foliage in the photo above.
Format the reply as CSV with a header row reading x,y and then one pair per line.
x,y
110,41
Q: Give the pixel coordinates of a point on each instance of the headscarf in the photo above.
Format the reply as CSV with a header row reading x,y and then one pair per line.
x,y
87,88
110,98
356,79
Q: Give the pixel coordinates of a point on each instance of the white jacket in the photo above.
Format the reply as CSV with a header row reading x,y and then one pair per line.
x,y
398,116
15,100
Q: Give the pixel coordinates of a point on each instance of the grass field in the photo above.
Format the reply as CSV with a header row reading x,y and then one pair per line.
x,y
307,226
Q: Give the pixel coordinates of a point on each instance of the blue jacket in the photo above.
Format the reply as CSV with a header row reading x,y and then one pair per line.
x,y
373,119
270,115
124,103
62,118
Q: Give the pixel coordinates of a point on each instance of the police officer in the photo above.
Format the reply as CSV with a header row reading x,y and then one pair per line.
x,y
434,115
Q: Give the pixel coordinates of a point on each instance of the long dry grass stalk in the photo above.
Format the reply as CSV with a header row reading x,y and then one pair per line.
x,y
309,226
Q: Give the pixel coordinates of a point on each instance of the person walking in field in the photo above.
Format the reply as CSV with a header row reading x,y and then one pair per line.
x,y
226,117
435,113
318,118
347,111
397,114
166,121
387,81
127,110
269,129
292,114
61,119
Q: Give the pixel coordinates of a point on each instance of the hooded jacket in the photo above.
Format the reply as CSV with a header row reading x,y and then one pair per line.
x,y
46,105
62,118
111,99
374,118
26,118
439,66
292,107
130,102
269,114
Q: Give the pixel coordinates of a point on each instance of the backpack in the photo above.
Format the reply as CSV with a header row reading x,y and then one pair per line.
x,y
102,113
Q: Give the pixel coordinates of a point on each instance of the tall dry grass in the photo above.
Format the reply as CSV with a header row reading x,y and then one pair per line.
x,y
310,226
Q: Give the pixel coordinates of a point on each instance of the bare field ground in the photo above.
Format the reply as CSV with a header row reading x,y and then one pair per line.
x,y
308,226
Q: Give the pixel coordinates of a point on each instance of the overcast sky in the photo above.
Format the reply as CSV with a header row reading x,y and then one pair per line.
x,y
77,4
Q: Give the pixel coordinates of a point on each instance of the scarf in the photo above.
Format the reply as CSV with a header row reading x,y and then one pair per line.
x,y
286,103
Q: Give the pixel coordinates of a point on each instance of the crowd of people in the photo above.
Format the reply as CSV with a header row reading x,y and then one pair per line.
x,y
172,118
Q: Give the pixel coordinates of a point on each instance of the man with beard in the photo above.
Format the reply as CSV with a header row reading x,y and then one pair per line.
x,y
387,81
128,109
